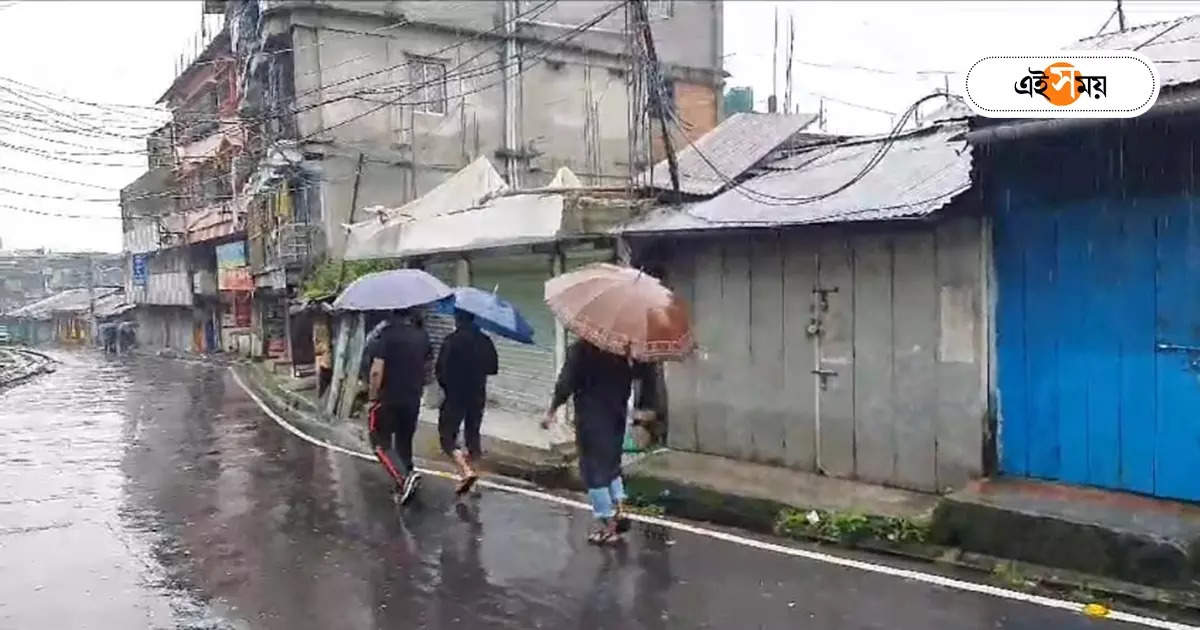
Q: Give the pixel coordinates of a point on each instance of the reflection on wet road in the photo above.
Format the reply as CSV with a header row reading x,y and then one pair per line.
x,y
146,493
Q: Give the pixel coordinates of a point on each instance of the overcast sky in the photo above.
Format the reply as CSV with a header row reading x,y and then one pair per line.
x,y
124,52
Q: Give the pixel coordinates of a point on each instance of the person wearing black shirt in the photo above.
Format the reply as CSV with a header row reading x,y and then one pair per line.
x,y
464,363
398,359
600,383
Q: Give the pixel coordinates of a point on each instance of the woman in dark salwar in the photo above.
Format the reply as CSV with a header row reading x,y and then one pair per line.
x,y
600,384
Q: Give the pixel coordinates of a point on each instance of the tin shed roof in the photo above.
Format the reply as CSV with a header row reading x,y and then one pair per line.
x,y
920,173
69,301
1173,46
735,145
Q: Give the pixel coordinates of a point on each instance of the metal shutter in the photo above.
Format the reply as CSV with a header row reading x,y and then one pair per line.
x,y
438,326
527,373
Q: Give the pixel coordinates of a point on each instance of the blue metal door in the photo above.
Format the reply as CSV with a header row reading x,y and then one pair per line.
x,y
1098,343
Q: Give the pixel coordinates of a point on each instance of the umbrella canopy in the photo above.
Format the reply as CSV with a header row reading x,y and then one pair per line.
x,y
623,311
391,290
493,313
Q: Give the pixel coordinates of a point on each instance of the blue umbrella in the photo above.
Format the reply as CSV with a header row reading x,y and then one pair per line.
x,y
390,290
493,313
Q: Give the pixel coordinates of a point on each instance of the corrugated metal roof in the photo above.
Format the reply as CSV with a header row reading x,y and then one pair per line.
x,y
735,145
112,305
69,301
922,172
1173,46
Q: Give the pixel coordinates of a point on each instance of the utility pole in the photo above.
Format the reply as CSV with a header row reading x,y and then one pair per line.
x,y
1120,16
353,204
656,83
91,285
773,98
787,80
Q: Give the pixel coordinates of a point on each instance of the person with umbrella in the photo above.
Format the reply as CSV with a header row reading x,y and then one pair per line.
x,y
108,336
625,320
466,359
398,360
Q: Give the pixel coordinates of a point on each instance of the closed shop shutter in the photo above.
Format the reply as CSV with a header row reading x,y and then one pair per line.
x,y
527,373
438,326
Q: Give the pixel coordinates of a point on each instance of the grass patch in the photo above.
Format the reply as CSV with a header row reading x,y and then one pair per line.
x,y
850,527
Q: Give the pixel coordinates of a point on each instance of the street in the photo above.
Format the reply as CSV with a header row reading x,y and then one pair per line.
x,y
149,493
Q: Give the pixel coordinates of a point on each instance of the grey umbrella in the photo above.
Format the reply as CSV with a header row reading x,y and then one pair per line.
x,y
389,290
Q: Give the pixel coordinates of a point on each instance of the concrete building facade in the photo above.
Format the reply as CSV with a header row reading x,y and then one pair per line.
x,y
350,105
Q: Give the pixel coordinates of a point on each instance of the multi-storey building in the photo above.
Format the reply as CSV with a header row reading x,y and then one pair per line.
x,y
185,210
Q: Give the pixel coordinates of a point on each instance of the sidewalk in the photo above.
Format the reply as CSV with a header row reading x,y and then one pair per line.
x,y
515,445
1144,540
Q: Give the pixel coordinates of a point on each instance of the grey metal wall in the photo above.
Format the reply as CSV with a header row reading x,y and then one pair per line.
x,y
902,337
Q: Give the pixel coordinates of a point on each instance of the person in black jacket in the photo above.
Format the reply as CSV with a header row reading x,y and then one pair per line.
x,y
601,383
464,363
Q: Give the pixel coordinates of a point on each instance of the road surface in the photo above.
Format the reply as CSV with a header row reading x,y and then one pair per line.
x,y
150,493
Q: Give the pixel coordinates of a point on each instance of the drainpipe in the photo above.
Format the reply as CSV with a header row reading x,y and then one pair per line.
x,y
509,12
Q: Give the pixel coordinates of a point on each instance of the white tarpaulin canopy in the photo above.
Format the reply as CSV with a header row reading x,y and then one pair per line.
x,y
462,213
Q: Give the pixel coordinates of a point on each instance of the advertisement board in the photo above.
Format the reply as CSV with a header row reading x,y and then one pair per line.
x,y
231,255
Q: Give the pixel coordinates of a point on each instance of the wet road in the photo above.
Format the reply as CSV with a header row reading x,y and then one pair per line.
x,y
154,494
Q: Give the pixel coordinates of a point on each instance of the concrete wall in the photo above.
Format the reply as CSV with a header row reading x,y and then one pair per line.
x,y
687,32
572,106
903,338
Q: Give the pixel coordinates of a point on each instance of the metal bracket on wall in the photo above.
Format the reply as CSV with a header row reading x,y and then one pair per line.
x,y
1193,353
824,375
823,297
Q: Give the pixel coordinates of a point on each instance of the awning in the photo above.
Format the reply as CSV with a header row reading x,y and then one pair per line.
x,y
468,211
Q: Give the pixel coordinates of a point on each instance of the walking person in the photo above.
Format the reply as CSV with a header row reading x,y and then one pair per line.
x,y
108,337
126,337
399,358
600,383
466,359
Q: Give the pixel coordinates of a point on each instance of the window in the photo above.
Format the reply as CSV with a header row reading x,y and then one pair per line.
x,y
660,9
429,86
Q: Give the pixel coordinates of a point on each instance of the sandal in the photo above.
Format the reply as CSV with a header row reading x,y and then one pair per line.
x,y
466,484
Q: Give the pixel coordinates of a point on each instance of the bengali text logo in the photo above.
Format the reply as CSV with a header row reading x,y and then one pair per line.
x,y
1092,84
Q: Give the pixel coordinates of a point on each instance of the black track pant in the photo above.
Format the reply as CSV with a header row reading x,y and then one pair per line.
x,y
392,423
461,409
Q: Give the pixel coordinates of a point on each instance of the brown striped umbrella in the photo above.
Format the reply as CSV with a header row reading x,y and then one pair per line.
x,y
623,311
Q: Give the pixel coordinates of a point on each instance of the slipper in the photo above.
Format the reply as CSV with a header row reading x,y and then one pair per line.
x,y
603,537
465,485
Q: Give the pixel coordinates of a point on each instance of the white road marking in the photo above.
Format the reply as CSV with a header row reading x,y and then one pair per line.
x,y
906,574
